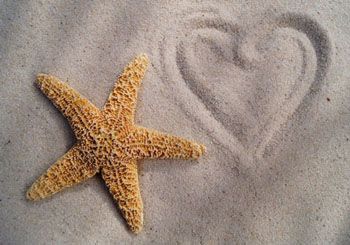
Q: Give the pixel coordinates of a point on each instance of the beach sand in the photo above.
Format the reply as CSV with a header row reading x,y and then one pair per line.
x,y
265,86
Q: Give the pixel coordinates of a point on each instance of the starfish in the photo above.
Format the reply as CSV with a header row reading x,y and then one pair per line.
x,y
109,142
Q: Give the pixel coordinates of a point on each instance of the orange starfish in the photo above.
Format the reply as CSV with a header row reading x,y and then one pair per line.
x,y
109,142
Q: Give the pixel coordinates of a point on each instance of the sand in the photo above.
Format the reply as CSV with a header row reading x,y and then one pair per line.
x,y
264,86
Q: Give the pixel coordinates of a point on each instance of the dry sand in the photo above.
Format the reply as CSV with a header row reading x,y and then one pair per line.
x,y
266,86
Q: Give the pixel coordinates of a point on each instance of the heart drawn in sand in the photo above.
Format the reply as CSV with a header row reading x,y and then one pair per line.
x,y
252,78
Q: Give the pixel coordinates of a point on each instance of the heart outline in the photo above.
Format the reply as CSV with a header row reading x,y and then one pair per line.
x,y
314,32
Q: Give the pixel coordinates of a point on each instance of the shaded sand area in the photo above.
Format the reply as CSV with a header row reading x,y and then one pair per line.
x,y
266,87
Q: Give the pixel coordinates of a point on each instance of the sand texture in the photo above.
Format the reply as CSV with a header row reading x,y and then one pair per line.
x,y
265,86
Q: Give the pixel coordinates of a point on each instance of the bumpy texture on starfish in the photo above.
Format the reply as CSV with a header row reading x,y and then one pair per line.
x,y
109,142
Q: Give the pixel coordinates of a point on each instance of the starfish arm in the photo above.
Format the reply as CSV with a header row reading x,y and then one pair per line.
x,y
77,109
121,178
67,171
122,100
145,143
